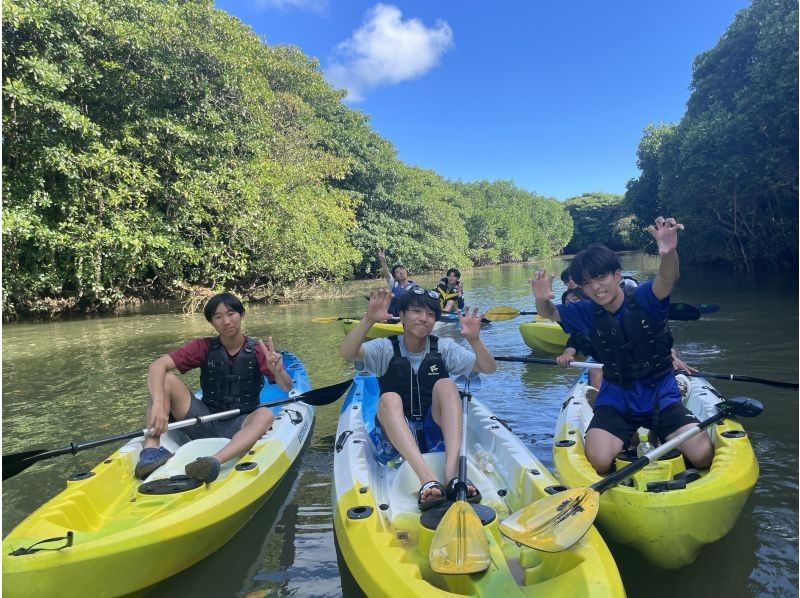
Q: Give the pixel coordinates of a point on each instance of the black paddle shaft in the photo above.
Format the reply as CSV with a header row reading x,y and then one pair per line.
x,y
15,463
737,406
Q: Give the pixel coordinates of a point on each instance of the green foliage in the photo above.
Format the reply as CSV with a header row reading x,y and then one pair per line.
x,y
507,224
729,169
600,218
150,146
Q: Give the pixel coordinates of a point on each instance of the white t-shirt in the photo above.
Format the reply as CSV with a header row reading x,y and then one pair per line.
x,y
379,352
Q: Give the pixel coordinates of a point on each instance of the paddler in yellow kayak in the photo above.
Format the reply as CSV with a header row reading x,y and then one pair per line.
x,y
231,367
419,406
630,336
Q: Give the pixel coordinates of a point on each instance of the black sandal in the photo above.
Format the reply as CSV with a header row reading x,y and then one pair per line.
x,y
452,492
433,501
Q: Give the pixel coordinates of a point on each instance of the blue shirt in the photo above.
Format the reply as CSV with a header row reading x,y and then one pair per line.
x,y
640,399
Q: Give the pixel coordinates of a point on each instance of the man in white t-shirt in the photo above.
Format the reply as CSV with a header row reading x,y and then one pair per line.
x,y
419,402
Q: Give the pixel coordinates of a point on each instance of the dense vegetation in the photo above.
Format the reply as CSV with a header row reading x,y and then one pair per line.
x,y
154,147
600,218
729,168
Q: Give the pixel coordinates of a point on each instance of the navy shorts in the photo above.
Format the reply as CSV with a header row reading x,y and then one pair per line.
x,y
670,418
224,428
431,438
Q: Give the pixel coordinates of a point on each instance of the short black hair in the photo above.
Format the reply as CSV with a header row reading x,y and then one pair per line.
x,y
395,267
595,260
577,292
230,301
453,271
565,275
424,300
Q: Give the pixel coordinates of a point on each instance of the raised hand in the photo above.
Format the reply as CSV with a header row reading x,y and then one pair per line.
x,y
470,322
665,232
542,285
378,307
274,358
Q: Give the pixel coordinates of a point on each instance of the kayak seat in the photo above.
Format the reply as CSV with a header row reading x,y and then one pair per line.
x,y
404,485
191,451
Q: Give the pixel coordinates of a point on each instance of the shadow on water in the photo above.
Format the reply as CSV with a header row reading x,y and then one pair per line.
x,y
230,569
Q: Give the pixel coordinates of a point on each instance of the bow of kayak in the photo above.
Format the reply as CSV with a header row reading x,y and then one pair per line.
x,y
544,335
385,541
666,513
127,534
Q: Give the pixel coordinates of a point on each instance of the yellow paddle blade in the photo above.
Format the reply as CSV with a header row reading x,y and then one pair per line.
x,y
325,319
556,522
501,313
459,545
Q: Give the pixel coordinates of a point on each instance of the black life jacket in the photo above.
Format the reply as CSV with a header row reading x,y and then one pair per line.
x,y
416,389
633,349
231,383
583,345
446,293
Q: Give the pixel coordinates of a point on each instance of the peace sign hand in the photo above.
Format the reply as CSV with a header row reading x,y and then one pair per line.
x,y
274,359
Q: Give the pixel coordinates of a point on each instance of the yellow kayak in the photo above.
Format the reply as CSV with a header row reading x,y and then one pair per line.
x,y
544,335
378,330
681,511
120,534
385,541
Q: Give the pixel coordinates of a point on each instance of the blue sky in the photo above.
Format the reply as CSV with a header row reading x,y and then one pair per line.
x,y
551,95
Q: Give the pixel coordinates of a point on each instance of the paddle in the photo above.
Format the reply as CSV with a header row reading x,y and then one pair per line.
x,y
591,364
459,545
329,319
15,463
677,311
708,308
556,522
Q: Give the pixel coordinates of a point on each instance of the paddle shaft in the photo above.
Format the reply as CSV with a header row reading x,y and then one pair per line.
x,y
15,463
593,365
462,451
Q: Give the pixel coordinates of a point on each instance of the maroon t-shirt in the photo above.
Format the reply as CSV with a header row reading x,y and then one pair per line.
x,y
194,353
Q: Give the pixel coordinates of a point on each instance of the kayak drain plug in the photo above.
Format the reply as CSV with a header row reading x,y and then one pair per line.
x,y
359,512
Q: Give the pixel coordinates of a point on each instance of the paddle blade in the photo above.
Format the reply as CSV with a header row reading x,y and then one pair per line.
x,y
18,462
554,523
708,308
683,312
498,314
324,395
325,319
459,545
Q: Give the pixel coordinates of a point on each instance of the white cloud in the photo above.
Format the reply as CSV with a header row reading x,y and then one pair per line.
x,y
318,6
386,50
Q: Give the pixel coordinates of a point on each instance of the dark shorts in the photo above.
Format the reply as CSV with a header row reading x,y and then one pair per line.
x,y
431,433
670,418
224,428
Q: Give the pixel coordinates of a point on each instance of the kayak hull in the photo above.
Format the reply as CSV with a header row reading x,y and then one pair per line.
x,y
125,539
544,336
668,528
385,546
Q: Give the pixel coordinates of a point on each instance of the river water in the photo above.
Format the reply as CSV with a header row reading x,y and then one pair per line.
x,y
85,379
